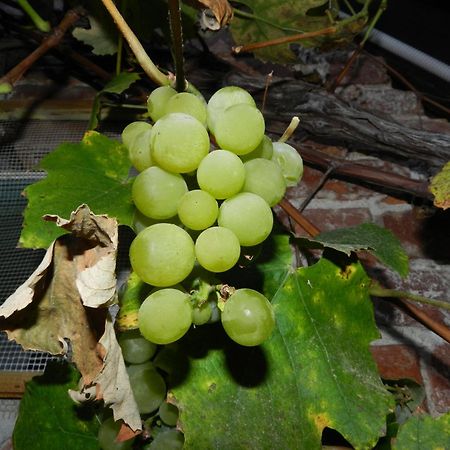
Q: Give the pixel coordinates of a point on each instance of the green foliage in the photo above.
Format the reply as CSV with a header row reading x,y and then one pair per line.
x,y
314,372
272,19
94,172
440,187
101,35
117,85
48,418
424,432
377,240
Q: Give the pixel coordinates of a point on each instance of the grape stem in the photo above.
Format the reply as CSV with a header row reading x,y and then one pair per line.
x,y
176,32
290,129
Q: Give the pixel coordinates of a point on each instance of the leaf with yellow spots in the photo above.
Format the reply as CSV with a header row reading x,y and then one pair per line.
x,y
424,432
92,172
315,371
440,187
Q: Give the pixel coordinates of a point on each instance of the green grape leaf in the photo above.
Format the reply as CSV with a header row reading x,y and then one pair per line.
x,y
272,19
440,187
48,418
93,172
382,243
117,85
315,371
101,36
424,432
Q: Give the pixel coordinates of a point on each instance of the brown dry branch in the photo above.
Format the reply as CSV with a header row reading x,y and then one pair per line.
x,y
48,43
330,119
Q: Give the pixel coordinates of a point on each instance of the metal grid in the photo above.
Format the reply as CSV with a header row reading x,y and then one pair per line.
x,y
22,145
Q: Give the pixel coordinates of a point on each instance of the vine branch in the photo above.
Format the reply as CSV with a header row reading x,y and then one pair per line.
x,y
53,40
176,32
136,47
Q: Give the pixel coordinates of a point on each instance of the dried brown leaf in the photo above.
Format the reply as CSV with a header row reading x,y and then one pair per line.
x,y
59,304
221,10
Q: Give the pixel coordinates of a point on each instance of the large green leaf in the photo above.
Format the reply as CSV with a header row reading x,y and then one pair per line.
x,y
48,418
382,243
314,372
272,19
94,172
424,432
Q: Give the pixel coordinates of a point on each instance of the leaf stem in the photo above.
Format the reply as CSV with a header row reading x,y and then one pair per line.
x,y
176,31
246,15
41,24
136,47
378,291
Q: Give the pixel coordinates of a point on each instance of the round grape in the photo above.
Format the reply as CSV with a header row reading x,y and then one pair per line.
x,y
248,317
107,434
162,255
264,150
221,173
248,216
239,128
135,348
165,316
179,143
198,209
157,101
217,249
290,161
264,178
224,98
187,103
149,389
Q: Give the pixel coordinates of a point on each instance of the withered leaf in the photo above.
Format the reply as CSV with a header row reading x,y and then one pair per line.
x,y
58,304
221,10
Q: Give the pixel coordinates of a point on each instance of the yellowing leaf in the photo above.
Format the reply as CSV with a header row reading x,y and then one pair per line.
x,y
440,187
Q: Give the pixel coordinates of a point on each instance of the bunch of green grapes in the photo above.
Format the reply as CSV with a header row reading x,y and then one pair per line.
x,y
208,177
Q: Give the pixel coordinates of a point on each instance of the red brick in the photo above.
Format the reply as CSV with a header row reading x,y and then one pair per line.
x,y
397,362
438,374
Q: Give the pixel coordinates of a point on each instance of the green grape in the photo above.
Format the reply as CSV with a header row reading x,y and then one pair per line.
x,y
264,150
198,209
221,173
135,348
165,316
224,98
248,317
239,128
162,255
248,216
107,433
141,222
264,178
217,249
169,439
187,103
133,130
133,369
157,101
156,192
202,314
179,143
169,359
149,389
290,161
168,413
136,136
